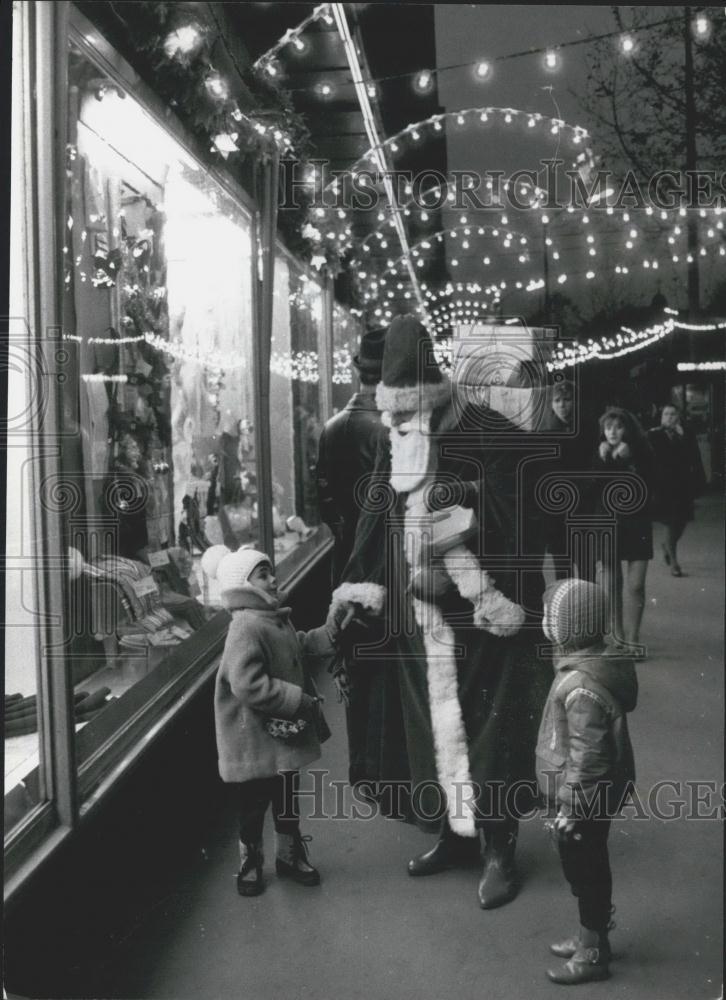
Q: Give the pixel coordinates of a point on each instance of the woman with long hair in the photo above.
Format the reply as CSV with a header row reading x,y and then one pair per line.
x,y
624,447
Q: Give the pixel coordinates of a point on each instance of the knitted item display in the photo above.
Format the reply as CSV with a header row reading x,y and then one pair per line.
x,y
574,613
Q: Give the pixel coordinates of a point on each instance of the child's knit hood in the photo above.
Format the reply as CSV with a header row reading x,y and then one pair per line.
x,y
574,613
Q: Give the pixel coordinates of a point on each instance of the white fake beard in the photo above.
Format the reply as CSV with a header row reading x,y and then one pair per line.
x,y
410,454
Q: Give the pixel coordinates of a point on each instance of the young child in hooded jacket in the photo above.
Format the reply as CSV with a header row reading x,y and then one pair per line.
x,y
262,680
585,763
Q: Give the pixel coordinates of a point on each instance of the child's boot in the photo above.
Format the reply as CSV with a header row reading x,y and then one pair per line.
x,y
589,961
249,877
568,947
292,858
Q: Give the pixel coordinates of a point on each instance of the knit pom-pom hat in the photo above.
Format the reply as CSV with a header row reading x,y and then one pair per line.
x,y
212,557
575,613
234,570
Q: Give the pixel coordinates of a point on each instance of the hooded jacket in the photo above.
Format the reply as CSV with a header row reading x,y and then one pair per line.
x,y
584,754
263,674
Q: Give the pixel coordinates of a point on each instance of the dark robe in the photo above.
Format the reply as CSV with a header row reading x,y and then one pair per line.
x,y
502,684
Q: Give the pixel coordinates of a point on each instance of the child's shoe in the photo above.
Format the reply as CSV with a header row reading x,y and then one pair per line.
x,y
249,877
589,962
292,859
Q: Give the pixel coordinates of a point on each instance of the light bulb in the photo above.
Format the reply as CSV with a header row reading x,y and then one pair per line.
x,y
627,44
423,81
483,70
551,59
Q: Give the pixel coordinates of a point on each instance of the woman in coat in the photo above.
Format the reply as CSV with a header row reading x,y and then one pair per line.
x,y
624,448
678,479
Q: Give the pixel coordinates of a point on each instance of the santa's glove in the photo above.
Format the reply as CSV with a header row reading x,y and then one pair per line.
x,y
441,495
339,618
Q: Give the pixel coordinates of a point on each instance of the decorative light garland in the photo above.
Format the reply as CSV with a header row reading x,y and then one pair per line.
x,y
292,37
624,342
701,366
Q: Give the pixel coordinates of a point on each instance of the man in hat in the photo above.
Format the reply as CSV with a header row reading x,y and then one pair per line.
x,y
347,450
470,685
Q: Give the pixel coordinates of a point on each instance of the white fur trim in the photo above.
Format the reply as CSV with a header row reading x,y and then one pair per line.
x,y
492,610
371,596
404,398
447,723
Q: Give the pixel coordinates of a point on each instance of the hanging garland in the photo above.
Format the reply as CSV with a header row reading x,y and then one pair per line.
x,y
174,52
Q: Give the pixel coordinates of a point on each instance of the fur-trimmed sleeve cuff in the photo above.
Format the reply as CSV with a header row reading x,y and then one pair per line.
x,y
371,596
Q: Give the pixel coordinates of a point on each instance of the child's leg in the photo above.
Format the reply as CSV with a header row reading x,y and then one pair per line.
x,y
253,798
284,802
586,864
292,856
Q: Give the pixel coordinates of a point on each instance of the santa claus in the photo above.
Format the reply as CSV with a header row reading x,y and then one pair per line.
x,y
435,557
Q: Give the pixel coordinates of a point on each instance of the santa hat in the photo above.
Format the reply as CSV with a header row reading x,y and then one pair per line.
x,y
232,571
575,613
411,379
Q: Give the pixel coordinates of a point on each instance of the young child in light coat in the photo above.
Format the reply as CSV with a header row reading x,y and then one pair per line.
x,y
585,764
262,686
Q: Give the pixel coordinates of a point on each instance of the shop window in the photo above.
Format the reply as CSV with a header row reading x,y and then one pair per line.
x,y
158,318
347,332
295,415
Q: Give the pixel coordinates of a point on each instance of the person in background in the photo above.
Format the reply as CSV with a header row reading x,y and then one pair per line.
x,y
347,451
624,447
678,479
266,712
575,451
585,764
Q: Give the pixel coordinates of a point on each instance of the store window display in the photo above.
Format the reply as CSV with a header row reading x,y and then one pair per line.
x,y
295,414
158,318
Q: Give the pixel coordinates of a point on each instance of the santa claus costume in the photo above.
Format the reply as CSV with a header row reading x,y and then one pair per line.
x,y
435,550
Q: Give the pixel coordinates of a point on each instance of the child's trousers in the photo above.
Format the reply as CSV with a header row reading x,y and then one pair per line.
x,y
253,798
586,865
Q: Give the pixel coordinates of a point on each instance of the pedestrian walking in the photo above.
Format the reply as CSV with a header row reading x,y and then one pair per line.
x,y
678,479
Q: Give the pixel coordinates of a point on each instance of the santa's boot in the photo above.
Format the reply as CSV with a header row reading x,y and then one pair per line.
x,y
589,963
498,883
249,877
449,851
292,859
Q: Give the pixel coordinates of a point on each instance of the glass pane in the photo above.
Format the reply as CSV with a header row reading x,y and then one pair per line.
x,y
295,416
347,330
23,784
158,313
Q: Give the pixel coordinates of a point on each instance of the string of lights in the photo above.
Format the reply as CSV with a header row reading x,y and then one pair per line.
x,y
482,70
